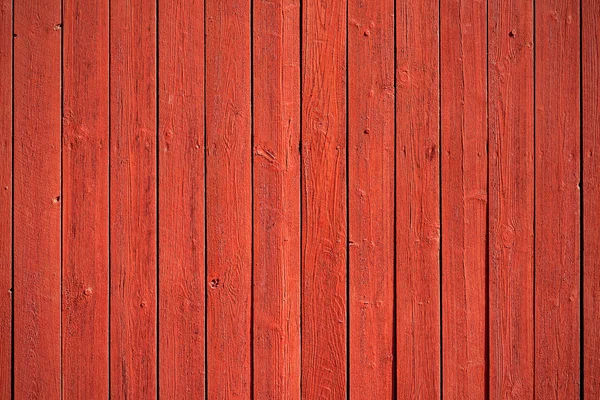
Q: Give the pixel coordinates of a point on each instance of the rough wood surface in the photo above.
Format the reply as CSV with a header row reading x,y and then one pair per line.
x,y
371,118
590,27
181,219
557,199
6,175
463,62
276,183
511,187
228,199
418,370
37,199
324,213
85,150
133,217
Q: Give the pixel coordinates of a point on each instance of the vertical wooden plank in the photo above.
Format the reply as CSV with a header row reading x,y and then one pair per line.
x,y
133,199
511,186
181,199
6,173
324,224
276,99
85,199
371,194
37,202
228,198
417,200
557,199
463,52
590,27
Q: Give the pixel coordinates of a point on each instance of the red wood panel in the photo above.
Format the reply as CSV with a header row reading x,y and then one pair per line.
x,y
37,199
228,199
417,200
6,173
463,35
590,27
181,199
276,99
37,188
85,199
511,185
324,224
557,145
133,167
371,166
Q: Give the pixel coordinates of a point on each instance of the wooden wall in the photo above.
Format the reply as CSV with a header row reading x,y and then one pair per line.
x,y
286,199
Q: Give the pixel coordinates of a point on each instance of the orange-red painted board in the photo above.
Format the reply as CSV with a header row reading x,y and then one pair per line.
x,y
511,197
37,199
133,215
557,199
463,36
371,138
85,153
228,199
181,199
276,161
418,339
324,212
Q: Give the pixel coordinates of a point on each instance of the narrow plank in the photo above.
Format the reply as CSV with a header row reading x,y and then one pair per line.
x,y
324,224
557,159
463,52
85,199
371,194
37,199
276,99
6,154
228,199
181,199
417,200
511,204
133,302
590,27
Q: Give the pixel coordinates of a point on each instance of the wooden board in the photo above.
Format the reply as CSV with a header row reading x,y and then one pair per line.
x,y
511,197
371,122
181,218
133,217
228,199
418,367
324,212
557,199
6,196
37,200
463,52
276,194
85,152
590,50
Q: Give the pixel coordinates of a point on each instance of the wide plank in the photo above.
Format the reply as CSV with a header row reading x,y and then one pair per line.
x,y
371,198
85,151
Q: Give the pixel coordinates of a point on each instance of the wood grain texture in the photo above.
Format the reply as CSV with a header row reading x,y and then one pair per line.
x,y
85,151
557,200
463,36
133,302
6,197
511,187
371,117
276,100
324,222
181,199
417,200
37,197
228,199
590,27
